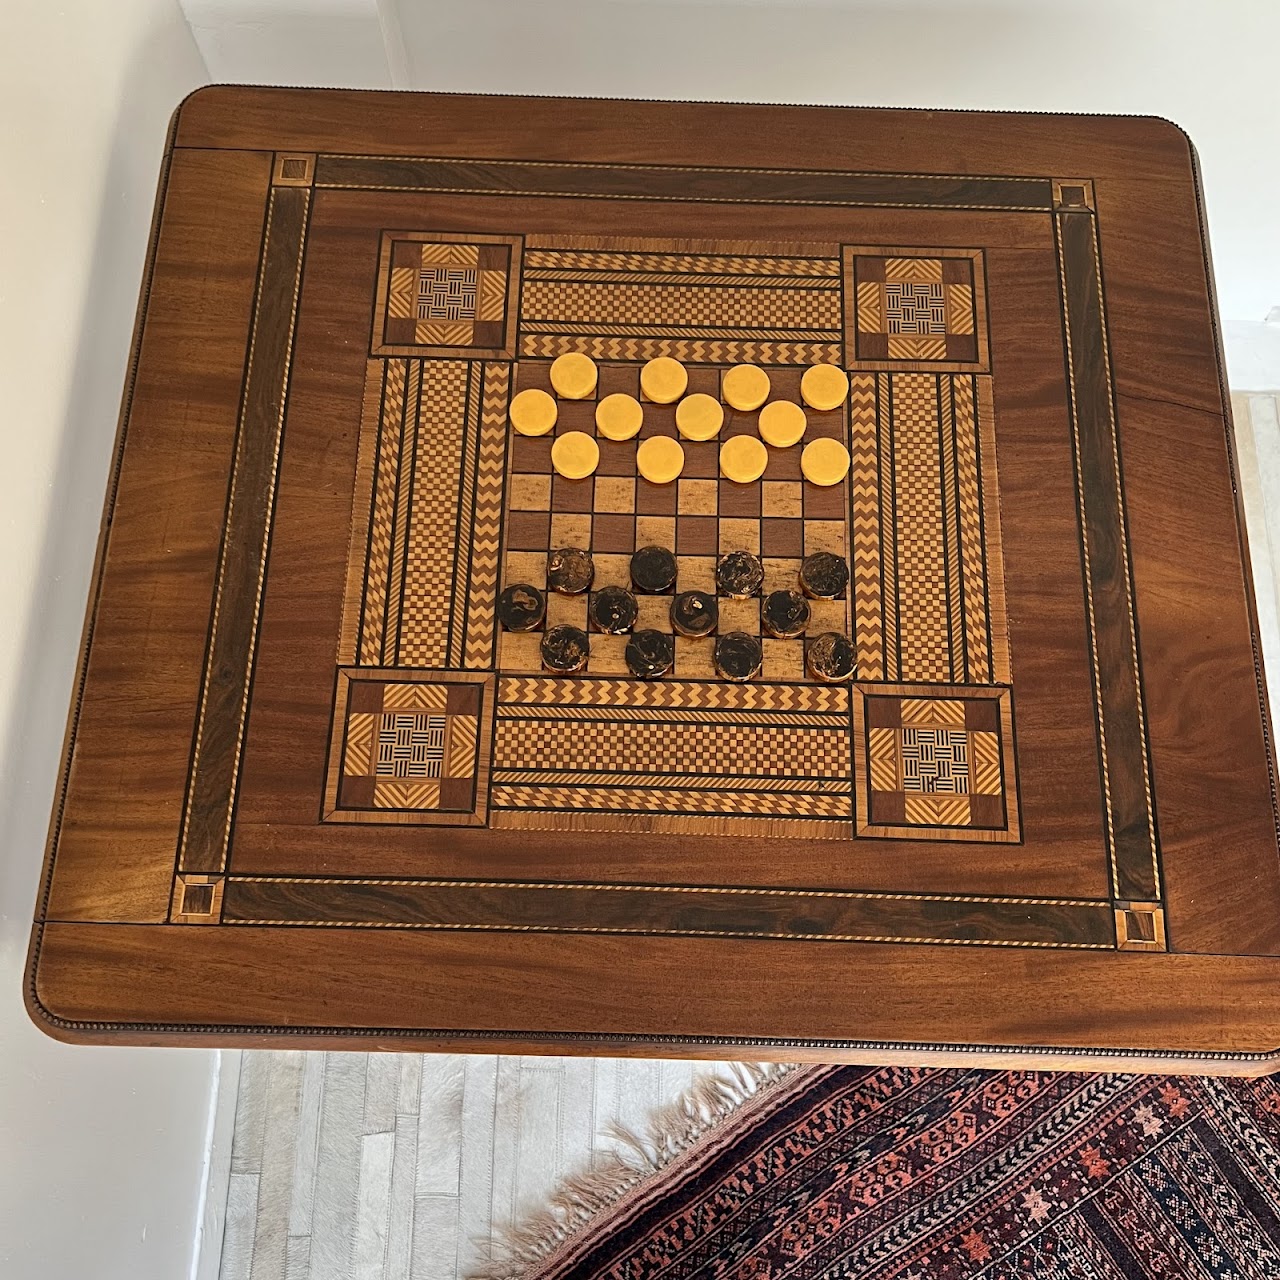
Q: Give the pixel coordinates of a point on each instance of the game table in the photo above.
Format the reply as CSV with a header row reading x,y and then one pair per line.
x,y
317,793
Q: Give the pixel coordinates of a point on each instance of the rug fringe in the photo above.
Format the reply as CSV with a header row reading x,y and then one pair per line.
x,y
670,1132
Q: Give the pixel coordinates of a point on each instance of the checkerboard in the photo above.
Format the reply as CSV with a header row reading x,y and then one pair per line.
x,y
782,517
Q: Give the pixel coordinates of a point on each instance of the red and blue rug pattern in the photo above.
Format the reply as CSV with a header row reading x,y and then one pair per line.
x,y
920,1174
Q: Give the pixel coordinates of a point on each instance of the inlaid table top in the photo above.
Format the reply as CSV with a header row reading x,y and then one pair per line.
x,y
995,780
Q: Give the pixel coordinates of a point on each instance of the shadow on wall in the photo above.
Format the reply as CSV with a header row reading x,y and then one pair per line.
x,y
868,52
99,364
104,1149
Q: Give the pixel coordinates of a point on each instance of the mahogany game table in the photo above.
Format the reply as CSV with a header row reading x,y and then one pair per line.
x,y
315,793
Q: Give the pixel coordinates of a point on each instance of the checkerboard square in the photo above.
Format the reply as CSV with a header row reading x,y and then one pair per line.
x,y
656,531
569,530
696,497
828,615
530,493
740,535
520,651
612,570
575,415
701,459
617,379
608,655
703,381
784,383
825,502
659,420
741,501
740,423
782,659
783,464
615,494
617,458
526,566
656,499
825,426
566,611
781,498
781,537
528,530
571,495
739,615
695,535
780,574
531,454
695,658
612,533
696,573
653,613
824,535
534,375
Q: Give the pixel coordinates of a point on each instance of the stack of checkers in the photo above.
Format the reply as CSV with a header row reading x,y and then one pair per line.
x,y
570,602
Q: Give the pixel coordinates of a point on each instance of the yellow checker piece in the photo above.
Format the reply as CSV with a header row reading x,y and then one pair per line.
x,y
699,417
659,459
743,459
824,462
575,455
782,424
664,380
573,375
824,387
619,416
745,387
533,412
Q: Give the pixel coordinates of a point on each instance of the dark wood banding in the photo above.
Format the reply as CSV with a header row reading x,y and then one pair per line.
x,y
224,701
1126,782
660,182
653,910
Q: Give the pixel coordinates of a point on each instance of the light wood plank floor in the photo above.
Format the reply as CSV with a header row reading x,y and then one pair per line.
x,y
404,1167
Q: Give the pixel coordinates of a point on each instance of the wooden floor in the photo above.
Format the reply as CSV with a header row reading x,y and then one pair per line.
x,y
349,1166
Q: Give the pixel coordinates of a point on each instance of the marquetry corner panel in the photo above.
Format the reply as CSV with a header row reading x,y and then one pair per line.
x,y
442,720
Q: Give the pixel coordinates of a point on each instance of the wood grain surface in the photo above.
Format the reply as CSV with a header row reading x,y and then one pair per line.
x,y
200,886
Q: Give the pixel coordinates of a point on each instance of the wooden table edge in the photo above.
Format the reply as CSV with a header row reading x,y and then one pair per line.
x,y
41,1002
224,1035
703,1049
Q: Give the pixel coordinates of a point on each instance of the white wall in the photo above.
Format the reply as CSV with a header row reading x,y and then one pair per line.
x,y
101,1151
1209,67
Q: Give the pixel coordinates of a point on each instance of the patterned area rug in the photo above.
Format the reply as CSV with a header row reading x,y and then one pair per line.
x,y
920,1174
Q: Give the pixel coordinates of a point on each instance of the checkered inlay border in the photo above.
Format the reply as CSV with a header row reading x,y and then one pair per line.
x,y
410,746
912,309
444,295
936,762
